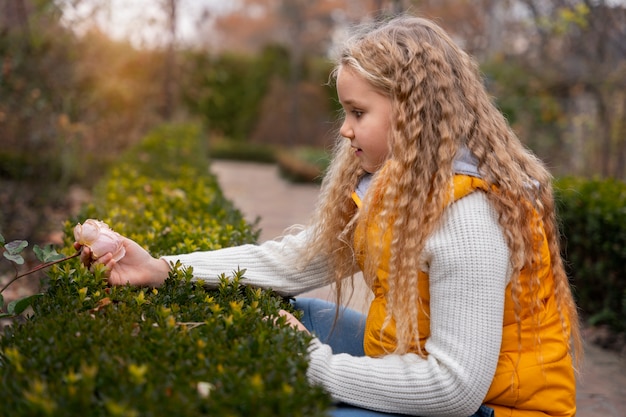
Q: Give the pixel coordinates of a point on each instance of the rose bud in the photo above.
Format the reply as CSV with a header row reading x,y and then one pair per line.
x,y
101,239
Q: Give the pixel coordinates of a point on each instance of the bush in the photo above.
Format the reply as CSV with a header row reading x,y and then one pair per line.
x,y
226,90
593,220
177,350
163,196
303,164
242,151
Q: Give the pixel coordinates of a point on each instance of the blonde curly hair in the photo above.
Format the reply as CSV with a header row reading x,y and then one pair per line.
x,y
439,105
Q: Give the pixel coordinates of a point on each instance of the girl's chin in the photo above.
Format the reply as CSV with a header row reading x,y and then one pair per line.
x,y
369,168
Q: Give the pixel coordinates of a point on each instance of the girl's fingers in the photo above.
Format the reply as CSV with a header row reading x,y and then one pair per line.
x,y
109,267
294,322
87,259
105,259
85,256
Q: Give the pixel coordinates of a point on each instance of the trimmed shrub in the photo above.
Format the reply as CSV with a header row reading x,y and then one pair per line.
x,y
181,349
178,350
226,90
303,164
163,196
593,223
242,151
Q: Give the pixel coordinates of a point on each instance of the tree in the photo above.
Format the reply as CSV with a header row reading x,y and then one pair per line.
x,y
578,50
69,102
559,69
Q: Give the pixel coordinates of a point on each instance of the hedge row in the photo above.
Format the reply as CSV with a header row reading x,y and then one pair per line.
x,y
91,349
593,224
162,195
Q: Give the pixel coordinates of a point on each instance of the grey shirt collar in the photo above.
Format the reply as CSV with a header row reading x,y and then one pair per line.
x,y
464,163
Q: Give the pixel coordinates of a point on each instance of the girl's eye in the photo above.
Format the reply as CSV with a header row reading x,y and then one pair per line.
x,y
357,113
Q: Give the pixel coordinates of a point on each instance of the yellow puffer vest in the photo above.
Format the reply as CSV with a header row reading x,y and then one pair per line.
x,y
536,380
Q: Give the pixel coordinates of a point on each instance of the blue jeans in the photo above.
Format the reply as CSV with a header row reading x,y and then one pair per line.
x,y
345,336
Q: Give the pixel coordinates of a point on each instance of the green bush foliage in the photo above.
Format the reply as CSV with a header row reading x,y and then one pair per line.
x,y
226,90
163,196
303,164
242,151
181,349
593,223
69,105
535,112
63,115
178,350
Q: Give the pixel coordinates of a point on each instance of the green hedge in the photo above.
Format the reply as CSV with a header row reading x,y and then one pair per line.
x,y
181,350
242,151
303,164
163,196
227,90
593,223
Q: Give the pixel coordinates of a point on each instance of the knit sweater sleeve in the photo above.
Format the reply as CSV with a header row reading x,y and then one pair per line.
x,y
273,264
467,260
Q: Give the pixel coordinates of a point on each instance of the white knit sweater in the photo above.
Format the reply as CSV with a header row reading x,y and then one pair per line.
x,y
467,260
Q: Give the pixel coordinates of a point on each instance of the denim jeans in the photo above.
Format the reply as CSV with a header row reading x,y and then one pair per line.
x,y
345,336
343,410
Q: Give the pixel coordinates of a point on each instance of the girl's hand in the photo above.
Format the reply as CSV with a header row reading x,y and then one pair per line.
x,y
137,267
294,322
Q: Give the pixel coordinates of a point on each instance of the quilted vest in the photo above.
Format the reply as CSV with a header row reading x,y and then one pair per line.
x,y
534,377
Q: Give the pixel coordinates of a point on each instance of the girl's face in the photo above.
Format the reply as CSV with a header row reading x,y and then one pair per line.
x,y
367,120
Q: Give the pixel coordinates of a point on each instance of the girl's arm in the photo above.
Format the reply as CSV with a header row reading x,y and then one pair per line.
x,y
468,266
273,264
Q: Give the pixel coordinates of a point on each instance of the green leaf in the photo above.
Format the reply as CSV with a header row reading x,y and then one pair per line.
x,y
2,241
15,246
39,252
18,306
47,253
1,301
14,258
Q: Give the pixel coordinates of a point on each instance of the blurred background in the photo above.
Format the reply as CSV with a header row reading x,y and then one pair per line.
x,y
82,80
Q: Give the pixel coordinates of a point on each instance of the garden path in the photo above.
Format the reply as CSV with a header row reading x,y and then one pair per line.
x,y
259,191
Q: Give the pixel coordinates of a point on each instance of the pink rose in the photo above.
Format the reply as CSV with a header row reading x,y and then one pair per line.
x,y
98,237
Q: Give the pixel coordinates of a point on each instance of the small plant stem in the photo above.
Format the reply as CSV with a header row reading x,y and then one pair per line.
x,y
38,268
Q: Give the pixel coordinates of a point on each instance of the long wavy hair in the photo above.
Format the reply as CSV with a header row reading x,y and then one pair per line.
x,y
439,105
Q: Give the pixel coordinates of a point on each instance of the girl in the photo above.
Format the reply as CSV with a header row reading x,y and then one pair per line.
x,y
452,222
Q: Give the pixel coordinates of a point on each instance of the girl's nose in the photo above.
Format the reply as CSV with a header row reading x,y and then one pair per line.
x,y
346,131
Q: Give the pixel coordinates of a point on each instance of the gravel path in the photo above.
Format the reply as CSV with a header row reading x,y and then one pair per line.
x,y
259,191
